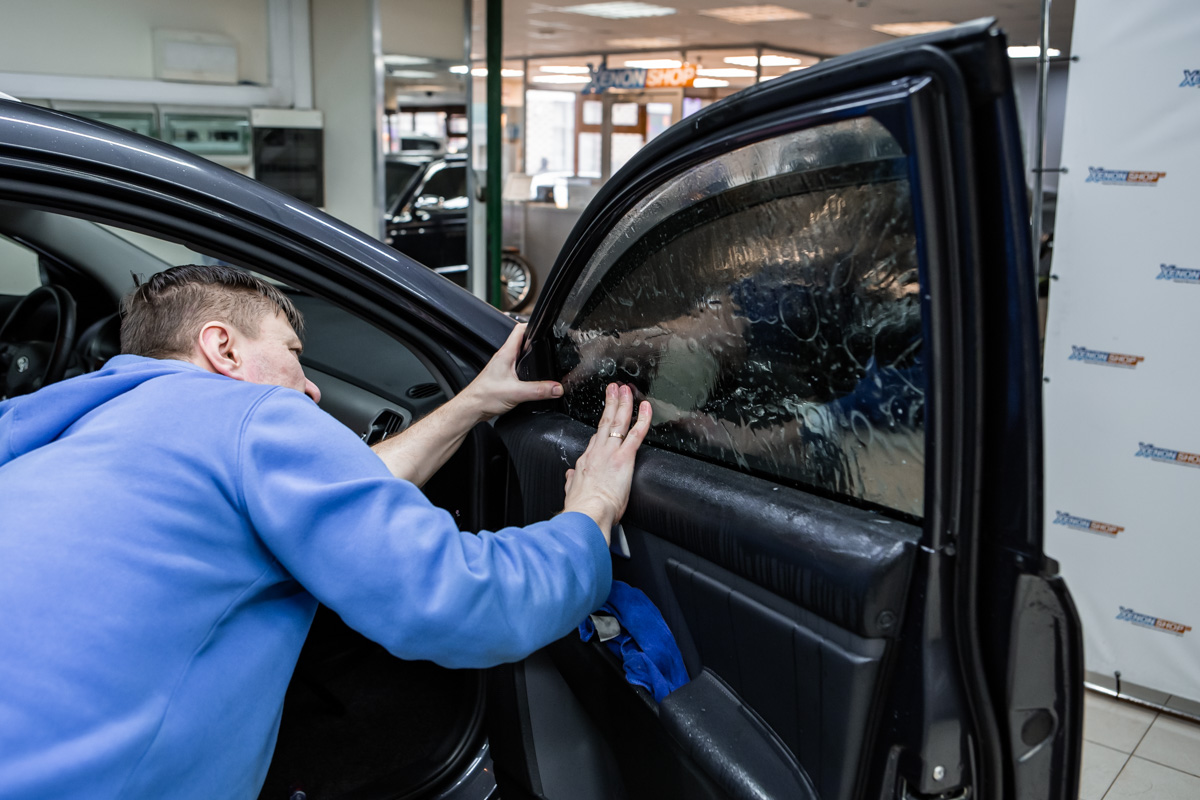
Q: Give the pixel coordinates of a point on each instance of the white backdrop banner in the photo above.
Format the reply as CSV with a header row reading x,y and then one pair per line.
x,y
1122,360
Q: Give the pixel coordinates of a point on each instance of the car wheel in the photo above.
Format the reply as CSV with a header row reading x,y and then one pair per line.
x,y
516,282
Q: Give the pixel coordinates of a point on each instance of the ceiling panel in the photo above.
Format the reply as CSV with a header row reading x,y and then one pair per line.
x,y
540,28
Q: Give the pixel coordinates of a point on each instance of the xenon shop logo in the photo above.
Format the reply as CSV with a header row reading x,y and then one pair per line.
x,y
1170,456
1191,77
1104,358
1170,272
1123,176
1147,621
1084,524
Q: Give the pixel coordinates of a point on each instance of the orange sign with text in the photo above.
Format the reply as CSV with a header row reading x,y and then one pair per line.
x,y
671,78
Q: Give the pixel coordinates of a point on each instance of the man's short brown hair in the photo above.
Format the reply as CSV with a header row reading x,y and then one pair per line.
x,y
162,317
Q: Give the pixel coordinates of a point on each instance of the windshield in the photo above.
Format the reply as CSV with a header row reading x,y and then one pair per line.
x,y
398,175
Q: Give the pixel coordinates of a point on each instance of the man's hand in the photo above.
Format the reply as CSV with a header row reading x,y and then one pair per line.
x,y
422,449
599,484
497,389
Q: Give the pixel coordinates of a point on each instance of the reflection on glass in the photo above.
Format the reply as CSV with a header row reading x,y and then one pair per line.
x,y
767,304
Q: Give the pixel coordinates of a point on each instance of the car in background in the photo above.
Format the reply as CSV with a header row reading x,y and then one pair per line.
x,y
823,284
426,219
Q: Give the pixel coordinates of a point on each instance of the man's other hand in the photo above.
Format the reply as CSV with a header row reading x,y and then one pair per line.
x,y
599,484
497,389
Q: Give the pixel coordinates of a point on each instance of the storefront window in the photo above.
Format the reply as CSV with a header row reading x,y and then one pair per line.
x,y
550,131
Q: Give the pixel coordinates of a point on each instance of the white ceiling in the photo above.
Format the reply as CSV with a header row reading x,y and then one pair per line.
x,y
538,28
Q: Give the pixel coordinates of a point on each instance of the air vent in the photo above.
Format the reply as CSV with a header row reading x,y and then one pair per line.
x,y
387,423
422,390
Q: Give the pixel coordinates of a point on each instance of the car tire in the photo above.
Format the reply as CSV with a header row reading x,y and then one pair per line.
x,y
517,282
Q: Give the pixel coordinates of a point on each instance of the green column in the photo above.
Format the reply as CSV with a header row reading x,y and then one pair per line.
x,y
495,46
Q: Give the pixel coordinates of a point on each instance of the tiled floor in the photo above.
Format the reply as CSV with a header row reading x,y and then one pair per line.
x,y
1131,752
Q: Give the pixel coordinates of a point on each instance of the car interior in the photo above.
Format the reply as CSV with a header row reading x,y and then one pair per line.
x,y
358,721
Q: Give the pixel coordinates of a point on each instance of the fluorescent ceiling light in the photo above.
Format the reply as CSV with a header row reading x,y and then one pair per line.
x,y
619,10
655,63
767,61
560,79
411,73
646,43
481,72
911,28
708,83
565,70
405,61
726,72
1030,51
749,15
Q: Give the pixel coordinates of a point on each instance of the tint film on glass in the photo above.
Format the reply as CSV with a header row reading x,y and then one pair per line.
x,y
767,303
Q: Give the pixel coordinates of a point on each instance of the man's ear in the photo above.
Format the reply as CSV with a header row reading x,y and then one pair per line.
x,y
218,349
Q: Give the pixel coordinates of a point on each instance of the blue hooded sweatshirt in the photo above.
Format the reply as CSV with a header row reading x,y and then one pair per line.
x,y
165,537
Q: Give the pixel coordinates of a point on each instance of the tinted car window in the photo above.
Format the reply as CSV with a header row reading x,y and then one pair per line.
x,y
397,176
767,304
420,144
449,183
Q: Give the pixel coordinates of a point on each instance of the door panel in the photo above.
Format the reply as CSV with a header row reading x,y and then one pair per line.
x,y
815,694
789,599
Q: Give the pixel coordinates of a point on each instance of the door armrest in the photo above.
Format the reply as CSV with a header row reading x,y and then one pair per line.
x,y
730,742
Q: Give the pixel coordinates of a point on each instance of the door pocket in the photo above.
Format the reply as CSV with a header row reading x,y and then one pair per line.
x,y
814,693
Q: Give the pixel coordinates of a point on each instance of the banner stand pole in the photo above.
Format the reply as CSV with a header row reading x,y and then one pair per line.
x,y
1039,158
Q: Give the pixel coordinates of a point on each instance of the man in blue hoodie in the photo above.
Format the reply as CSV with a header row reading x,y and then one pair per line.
x,y
169,523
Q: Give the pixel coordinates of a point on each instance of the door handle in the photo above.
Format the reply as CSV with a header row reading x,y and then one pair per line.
x,y
619,545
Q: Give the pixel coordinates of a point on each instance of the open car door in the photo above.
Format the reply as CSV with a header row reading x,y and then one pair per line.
x,y
823,285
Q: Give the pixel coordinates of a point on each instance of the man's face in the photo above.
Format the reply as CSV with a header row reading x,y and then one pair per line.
x,y
274,357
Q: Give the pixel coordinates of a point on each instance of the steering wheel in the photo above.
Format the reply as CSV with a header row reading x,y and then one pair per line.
x,y
28,359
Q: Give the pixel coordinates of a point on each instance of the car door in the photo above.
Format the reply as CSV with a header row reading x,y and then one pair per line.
x,y
431,225
823,286
447,188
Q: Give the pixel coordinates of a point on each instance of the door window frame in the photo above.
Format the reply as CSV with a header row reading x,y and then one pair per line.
x,y
913,107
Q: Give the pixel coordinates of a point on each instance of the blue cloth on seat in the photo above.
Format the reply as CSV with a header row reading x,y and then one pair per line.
x,y
645,644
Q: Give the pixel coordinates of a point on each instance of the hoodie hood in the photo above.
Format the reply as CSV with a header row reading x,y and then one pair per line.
x,y
34,420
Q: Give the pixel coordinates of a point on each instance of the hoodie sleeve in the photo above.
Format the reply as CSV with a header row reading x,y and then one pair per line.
x,y
398,569
8,420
